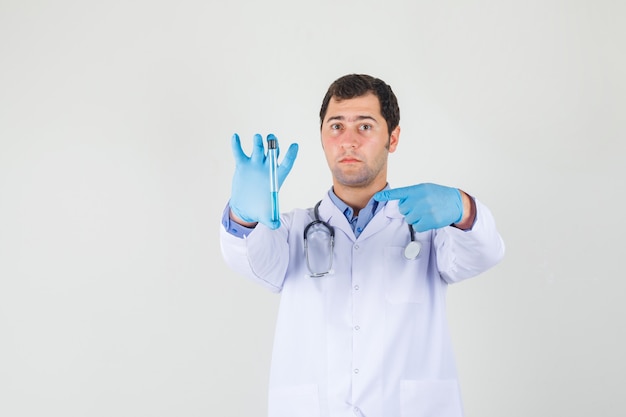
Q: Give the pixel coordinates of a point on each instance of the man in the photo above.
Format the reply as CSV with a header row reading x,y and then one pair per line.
x,y
362,327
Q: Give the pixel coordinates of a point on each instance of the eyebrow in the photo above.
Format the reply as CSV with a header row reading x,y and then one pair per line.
x,y
358,118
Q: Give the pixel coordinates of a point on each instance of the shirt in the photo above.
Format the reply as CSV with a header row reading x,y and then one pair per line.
x,y
366,214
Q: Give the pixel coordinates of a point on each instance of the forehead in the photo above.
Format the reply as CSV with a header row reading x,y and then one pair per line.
x,y
367,105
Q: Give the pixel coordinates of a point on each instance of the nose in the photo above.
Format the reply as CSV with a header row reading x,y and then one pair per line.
x,y
349,139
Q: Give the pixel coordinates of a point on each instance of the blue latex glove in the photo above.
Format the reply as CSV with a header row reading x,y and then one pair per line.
x,y
426,206
250,198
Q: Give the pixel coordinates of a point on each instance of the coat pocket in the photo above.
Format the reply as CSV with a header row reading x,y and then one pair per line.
x,y
291,401
405,280
430,398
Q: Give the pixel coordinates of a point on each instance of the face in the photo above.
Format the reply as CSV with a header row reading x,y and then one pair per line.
x,y
356,142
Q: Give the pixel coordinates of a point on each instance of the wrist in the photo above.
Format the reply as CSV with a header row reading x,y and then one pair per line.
x,y
239,221
469,212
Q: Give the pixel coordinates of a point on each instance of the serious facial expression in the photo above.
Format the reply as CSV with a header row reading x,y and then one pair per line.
x,y
357,142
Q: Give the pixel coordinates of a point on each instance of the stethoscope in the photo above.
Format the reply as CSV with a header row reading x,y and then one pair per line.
x,y
411,251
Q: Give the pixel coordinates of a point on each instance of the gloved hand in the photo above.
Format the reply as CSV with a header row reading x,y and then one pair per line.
x,y
426,206
250,198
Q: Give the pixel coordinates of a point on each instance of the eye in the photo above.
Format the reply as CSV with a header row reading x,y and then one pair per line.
x,y
365,127
335,126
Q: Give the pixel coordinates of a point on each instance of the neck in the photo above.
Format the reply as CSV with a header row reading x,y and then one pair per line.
x,y
357,197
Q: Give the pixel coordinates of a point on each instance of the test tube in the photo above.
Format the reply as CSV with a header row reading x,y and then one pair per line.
x,y
272,154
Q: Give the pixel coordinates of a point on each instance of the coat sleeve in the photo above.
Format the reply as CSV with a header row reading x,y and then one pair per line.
x,y
262,256
465,254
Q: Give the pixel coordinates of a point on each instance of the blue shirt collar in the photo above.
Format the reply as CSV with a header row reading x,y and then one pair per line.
x,y
359,222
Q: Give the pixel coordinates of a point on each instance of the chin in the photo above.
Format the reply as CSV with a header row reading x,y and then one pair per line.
x,y
356,182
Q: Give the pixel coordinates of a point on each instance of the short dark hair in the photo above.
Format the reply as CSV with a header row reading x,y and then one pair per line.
x,y
357,85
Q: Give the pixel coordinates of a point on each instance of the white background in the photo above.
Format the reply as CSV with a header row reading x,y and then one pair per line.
x,y
115,165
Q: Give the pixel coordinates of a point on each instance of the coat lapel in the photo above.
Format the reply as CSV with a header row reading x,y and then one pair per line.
x,y
381,219
331,214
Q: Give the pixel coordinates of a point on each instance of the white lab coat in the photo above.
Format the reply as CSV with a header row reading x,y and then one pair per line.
x,y
372,339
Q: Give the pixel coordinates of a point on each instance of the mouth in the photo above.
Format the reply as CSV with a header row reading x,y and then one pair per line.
x,y
349,159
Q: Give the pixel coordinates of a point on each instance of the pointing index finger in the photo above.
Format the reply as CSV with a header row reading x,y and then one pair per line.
x,y
391,194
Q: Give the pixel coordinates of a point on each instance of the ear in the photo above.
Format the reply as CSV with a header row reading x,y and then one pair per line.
x,y
393,139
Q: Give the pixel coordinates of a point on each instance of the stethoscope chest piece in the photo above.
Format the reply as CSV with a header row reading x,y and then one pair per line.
x,y
412,250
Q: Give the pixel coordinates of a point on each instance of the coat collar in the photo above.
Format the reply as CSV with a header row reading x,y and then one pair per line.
x,y
331,214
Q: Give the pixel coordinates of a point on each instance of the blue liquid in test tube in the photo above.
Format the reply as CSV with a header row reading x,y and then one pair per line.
x,y
272,151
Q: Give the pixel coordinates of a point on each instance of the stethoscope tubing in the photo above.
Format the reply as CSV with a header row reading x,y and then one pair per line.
x,y
411,251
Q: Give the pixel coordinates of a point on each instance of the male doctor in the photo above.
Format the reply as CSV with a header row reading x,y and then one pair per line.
x,y
361,329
